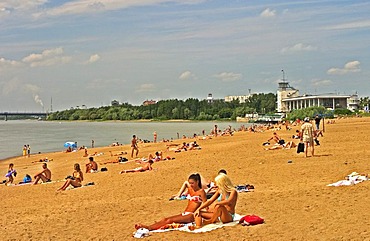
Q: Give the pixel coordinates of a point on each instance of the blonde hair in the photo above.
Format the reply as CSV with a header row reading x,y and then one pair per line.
x,y
224,183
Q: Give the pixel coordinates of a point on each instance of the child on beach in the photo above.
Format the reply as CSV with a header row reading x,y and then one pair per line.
x,y
75,180
224,209
9,175
195,198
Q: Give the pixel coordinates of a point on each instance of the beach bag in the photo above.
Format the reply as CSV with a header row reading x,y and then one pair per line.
x,y
251,220
281,142
300,147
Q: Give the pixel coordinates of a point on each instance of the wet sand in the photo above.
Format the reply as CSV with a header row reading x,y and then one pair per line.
x,y
292,197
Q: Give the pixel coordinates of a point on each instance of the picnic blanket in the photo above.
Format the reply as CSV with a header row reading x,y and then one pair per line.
x,y
351,179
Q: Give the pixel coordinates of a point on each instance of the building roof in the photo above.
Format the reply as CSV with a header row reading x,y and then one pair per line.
x,y
320,96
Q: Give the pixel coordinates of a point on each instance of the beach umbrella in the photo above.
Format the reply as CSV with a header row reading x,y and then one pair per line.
x,y
70,144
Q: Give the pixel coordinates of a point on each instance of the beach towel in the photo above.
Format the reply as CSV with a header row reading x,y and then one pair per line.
x,y
206,228
244,188
351,179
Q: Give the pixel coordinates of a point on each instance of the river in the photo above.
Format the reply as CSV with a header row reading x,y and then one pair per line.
x,y
46,136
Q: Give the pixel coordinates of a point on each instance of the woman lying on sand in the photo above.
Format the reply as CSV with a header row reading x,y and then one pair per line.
x,y
195,198
224,209
75,180
146,167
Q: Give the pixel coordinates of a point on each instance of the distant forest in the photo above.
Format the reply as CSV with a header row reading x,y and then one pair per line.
x,y
190,109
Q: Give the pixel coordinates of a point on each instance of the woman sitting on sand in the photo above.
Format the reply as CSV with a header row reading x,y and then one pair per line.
x,y
208,186
224,209
195,198
75,180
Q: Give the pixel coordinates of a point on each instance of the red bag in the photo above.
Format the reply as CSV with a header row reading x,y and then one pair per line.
x,y
251,220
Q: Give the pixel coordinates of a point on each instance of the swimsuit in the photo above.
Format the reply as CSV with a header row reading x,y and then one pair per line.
x,y
197,199
186,213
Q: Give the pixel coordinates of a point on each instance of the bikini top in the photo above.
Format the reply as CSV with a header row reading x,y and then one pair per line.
x,y
220,197
194,198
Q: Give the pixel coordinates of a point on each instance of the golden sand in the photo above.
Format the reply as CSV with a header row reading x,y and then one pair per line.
x,y
292,197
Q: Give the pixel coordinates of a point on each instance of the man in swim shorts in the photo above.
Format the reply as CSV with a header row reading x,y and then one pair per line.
x,y
92,166
134,146
44,175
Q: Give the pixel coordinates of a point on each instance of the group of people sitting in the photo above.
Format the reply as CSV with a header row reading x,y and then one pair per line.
x,y
220,206
45,174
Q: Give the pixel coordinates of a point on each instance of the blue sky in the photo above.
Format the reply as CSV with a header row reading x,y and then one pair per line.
x,y
89,52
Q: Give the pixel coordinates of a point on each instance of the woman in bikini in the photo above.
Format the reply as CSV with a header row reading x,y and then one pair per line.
x,y
224,209
196,196
75,181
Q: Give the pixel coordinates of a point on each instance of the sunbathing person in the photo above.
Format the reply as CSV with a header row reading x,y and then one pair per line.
x,y
195,198
146,167
75,180
44,175
120,159
275,137
224,209
208,186
288,145
92,166
117,154
158,156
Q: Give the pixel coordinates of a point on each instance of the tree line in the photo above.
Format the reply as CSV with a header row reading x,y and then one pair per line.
x,y
190,109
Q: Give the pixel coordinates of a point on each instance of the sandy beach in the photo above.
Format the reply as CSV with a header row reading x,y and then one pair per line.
x,y
293,198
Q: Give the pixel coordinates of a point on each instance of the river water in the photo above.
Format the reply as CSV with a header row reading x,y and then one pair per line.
x,y
45,136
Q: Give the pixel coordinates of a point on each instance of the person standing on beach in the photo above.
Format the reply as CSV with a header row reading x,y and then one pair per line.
x,y
155,137
92,143
134,146
24,151
28,151
44,175
308,135
215,130
317,122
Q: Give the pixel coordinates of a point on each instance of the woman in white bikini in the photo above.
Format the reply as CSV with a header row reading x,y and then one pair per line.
x,y
224,209
196,196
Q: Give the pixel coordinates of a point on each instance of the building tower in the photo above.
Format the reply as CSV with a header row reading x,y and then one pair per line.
x,y
284,91
210,98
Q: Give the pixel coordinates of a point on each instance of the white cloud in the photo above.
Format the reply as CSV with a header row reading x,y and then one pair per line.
x,y
319,82
350,67
350,25
228,76
47,58
300,47
88,6
93,58
146,88
5,62
267,13
186,75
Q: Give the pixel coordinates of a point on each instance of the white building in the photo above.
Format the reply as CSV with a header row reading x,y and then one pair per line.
x,y
240,98
288,99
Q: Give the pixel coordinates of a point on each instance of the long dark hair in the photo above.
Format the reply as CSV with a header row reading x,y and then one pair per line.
x,y
196,177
